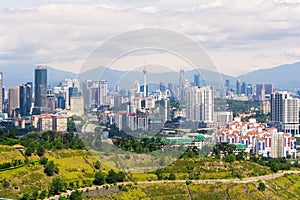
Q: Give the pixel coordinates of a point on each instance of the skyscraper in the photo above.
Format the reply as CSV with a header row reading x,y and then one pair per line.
x,y
14,101
25,98
196,80
285,112
238,87
260,92
1,92
103,92
40,87
200,104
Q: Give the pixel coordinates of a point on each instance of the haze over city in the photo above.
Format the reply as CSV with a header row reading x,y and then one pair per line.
x,y
241,37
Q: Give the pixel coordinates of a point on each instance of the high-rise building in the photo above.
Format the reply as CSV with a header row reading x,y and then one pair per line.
x,y
269,88
285,112
1,92
40,87
25,98
14,101
238,89
164,109
260,92
227,87
249,89
103,92
265,107
196,80
77,106
244,88
200,104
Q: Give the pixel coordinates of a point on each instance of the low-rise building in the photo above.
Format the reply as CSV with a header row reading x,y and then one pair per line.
x,y
257,138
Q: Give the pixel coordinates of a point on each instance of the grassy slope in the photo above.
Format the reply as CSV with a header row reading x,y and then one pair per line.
x,y
286,187
75,166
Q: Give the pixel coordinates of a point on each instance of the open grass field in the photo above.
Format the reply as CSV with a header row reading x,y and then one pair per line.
x,y
75,166
286,187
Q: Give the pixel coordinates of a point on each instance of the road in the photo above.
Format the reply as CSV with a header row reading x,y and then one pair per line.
x,y
206,181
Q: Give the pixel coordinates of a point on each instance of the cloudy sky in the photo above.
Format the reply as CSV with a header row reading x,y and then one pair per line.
x,y
239,36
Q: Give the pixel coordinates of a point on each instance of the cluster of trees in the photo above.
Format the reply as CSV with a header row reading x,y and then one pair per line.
x,y
51,168
110,178
143,145
13,163
51,140
159,175
223,148
275,164
241,106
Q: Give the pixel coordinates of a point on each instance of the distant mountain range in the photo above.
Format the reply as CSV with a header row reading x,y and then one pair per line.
x,y
283,76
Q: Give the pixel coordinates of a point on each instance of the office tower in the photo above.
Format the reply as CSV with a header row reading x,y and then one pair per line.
x,y
87,93
40,87
227,87
181,86
260,92
25,98
249,89
103,92
51,100
3,104
14,101
61,102
244,88
269,88
77,106
164,110
200,104
238,87
73,92
285,112
1,92
117,100
196,80
162,87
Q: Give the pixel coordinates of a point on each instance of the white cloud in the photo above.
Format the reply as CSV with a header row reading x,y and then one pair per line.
x,y
292,52
66,31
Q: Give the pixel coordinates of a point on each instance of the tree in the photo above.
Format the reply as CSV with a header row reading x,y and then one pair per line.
x,y
43,194
120,176
35,194
51,168
29,150
159,174
99,178
43,160
261,186
40,151
97,165
172,176
229,158
111,177
56,186
77,195
240,155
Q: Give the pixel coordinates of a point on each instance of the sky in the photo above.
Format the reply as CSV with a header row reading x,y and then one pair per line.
x,y
238,36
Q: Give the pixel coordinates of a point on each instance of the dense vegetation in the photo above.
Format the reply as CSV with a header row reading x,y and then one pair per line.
x,y
143,145
242,106
285,187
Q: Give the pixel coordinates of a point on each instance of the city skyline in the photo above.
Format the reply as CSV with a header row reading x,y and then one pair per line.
x,y
255,35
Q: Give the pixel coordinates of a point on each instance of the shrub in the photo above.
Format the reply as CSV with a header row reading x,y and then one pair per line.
x,y
261,186
172,176
99,178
